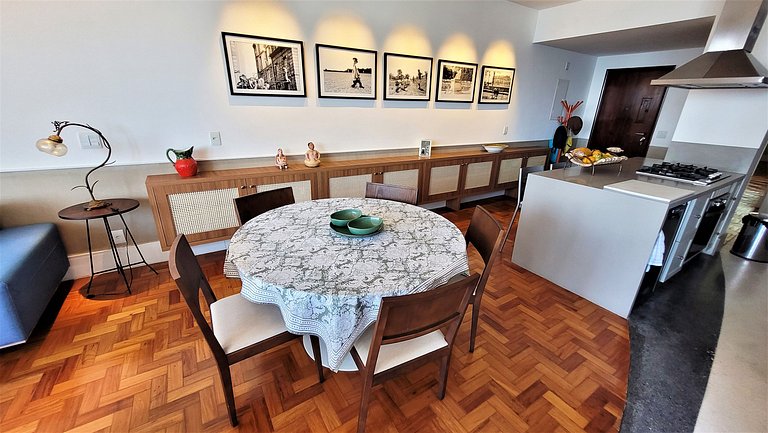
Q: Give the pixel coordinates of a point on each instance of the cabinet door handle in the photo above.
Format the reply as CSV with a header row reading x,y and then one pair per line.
x,y
680,257
242,187
697,216
252,186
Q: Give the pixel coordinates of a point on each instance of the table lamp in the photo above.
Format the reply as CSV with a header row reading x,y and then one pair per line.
x,y
54,145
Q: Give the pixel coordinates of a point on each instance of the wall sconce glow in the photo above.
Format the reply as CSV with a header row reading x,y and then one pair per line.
x,y
54,145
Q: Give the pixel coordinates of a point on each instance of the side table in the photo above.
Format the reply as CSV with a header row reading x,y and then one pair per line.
x,y
117,207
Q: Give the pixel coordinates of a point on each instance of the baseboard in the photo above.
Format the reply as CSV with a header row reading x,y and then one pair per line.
x,y
102,260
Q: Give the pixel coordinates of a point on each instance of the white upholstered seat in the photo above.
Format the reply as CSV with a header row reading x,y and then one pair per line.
x,y
238,322
392,355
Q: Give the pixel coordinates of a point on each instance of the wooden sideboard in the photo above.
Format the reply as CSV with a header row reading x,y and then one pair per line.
x,y
202,206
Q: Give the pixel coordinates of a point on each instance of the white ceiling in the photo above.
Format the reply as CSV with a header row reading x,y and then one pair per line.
x,y
669,36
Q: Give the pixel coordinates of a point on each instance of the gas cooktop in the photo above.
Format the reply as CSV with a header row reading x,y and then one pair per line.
x,y
687,173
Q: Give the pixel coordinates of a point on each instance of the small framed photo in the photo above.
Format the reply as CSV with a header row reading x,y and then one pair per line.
x,y
425,149
345,72
259,66
407,78
496,85
456,81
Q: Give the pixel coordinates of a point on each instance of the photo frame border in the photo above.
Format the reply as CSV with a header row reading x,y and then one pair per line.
x,y
360,50
234,91
511,85
438,82
385,76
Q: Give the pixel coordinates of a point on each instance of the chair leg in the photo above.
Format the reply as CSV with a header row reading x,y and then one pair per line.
x,y
509,228
475,318
445,364
365,398
229,394
318,357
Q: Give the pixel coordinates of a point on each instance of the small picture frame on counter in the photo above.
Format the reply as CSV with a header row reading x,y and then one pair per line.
x,y
425,149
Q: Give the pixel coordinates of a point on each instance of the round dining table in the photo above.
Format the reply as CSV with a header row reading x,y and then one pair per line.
x,y
330,284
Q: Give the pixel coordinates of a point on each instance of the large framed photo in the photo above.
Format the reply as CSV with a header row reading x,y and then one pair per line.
x,y
259,66
407,78
496,85
456,81
345,72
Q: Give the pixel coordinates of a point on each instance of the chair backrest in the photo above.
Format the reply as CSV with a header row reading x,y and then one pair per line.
x,y
190,280
252,205
404,194
486,235
557,165
523,179
407,317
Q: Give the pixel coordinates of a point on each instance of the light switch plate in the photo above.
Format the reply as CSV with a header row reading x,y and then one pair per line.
x,y
215,138
89,140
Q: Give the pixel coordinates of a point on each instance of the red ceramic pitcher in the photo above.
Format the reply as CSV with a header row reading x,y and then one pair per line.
x,y
184,164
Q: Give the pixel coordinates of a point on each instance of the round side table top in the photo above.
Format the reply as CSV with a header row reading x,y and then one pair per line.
x,y
116,206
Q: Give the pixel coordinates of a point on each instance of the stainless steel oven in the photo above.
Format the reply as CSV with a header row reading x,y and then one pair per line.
x,y
709,220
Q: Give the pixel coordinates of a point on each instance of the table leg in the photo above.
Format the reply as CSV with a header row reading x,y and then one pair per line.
x,y
116,255
348,364
90,259
127,230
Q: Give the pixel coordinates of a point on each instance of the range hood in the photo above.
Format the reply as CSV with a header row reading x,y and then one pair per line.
x,y
727,62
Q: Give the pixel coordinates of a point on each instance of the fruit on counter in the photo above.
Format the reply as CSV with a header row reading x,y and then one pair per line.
x,y
586,160
582,152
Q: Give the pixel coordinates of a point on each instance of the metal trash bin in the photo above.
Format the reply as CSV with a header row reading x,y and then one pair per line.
x,y
752,242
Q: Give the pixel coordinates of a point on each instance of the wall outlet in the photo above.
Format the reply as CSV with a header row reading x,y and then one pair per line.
x,y
118,236
89,140
215,138
505,130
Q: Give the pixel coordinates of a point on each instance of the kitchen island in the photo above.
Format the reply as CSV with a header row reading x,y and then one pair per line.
x,y
593,234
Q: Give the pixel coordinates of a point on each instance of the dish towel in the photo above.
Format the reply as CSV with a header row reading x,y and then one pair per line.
x,y
657,255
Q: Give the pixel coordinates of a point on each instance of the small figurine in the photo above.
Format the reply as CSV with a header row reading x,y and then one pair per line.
x,y
280,160
312,156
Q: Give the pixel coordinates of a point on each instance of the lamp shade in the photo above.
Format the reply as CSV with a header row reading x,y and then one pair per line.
x,y
52,145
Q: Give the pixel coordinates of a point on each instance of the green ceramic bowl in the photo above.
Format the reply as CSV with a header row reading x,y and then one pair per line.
x,y
342,217
364,225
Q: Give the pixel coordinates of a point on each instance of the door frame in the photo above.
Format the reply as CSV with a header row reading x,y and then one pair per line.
x,y
602,93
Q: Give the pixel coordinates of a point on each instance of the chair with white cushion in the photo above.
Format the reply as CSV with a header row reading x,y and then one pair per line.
x,y
409,333
239,328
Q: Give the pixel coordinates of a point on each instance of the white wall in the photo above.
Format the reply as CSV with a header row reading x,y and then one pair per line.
x,y
151,75
588,17
673,100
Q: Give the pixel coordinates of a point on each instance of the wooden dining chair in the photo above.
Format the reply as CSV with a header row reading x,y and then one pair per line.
x,y
403,194
252,205
239,328
408,333
485,234
521,182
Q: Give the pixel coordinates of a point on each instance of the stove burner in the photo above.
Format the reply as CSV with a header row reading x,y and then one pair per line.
x,y
683,172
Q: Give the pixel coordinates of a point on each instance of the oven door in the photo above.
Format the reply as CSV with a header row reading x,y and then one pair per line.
x,y
714,211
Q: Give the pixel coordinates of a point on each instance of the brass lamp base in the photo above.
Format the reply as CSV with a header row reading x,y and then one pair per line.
x,y
96,204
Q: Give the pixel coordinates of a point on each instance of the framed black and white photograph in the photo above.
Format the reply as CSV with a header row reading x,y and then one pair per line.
x,y
407,78
345,72
259,66
456,81
496,85
425,149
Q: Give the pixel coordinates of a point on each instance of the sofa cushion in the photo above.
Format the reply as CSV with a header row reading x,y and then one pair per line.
x,y
32,263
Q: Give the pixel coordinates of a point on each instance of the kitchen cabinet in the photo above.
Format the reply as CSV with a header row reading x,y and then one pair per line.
x,y
202,206
452,179
351,182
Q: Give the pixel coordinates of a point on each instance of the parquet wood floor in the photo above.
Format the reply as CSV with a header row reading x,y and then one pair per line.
x,y
546,361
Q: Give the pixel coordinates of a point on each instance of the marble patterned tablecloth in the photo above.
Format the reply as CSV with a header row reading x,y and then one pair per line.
x,y
330,285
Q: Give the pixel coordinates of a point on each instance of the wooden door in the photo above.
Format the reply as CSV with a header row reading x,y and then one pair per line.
x,y
629,107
